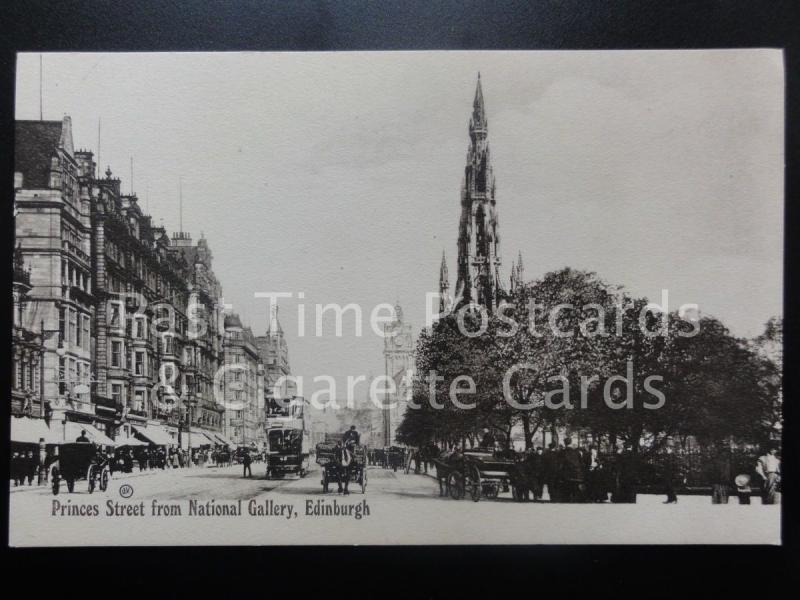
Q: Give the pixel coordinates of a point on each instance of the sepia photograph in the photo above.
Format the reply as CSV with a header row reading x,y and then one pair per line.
x,y
395,298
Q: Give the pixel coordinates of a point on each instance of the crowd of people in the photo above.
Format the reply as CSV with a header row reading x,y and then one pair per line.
x,y
31,466
575,474
127,458
24,467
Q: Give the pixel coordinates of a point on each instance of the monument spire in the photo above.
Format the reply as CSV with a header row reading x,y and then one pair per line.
x,y
478,277
444,285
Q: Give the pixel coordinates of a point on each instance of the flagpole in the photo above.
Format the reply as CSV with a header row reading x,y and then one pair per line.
x,y
41,69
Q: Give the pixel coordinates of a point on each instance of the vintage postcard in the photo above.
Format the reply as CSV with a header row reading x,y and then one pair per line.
x,y
397,298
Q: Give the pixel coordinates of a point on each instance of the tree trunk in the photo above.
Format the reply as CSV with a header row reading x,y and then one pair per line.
x,y
526,428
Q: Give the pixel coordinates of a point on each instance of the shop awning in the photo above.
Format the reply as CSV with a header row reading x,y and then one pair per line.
x,y
131,441
29,430
73,431
199,439
155,435
223,440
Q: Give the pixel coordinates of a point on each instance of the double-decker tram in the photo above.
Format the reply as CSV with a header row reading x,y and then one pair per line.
x,y
288,438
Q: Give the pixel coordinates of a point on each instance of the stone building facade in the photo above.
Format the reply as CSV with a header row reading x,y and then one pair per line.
x,y
244,385
53,237
125,320
274,353
26,351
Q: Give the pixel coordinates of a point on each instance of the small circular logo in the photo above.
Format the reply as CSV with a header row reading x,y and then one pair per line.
x,y
126,490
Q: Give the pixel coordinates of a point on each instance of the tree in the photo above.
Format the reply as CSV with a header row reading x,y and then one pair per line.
x,y
571,351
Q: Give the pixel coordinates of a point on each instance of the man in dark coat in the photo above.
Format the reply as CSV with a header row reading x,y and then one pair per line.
x,y
721,475
572,465
351,437
246,462
82,438
550,472
488,440
669,474
626,474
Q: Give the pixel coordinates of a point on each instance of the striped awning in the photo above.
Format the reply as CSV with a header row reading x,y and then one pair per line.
x,y
72,431
155,435
28,430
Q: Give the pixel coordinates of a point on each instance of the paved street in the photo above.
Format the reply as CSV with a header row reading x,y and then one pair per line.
x,y
394,501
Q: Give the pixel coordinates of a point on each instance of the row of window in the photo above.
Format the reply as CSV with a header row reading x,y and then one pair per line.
x,y
139,359
75,276
25,376
74,327
138,325
72,372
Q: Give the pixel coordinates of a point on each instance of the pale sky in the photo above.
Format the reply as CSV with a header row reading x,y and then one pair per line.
x,y
338,174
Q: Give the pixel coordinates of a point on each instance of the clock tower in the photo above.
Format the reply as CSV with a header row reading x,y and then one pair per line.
x,y
398,352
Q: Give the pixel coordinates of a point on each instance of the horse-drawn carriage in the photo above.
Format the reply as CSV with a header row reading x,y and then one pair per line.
x,y
333,469
395,457
477,473
80,460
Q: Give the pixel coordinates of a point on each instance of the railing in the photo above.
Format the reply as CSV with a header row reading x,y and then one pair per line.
x,y
69,246
22,275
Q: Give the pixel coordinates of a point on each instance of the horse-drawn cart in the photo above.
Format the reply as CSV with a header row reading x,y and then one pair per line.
x,y
475,473
80,460
334,469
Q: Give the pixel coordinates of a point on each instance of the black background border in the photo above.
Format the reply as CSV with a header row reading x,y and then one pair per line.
x,y
148,25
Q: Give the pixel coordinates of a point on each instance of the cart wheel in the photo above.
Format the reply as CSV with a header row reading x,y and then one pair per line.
x,y
474,483
90,476
364,481
70,485
56,483
104,480
455,484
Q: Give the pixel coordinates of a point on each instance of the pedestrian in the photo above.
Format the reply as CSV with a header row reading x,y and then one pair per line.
x,y
626,473
572,475
594,475
488,440
32,467
82,438
127,458
16,468
537,474
42,462
550,474
721,476
246,460
768,468
668,474
22,467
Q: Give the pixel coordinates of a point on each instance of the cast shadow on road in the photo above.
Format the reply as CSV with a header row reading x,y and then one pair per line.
x,y
222,476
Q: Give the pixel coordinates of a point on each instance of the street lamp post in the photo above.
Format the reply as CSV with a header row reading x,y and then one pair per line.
x,y
60,351
189,402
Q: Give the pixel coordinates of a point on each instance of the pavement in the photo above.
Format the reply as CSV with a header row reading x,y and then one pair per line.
x,y
397,508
